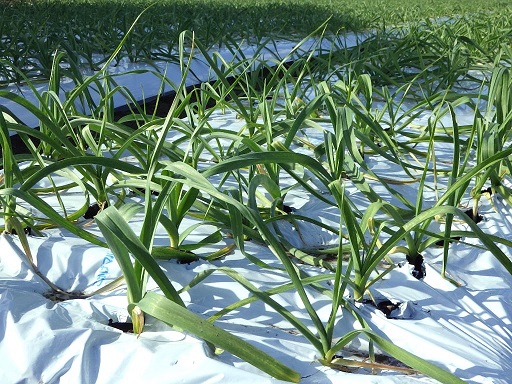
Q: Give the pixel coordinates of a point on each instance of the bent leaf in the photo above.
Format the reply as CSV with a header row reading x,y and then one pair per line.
x,y
173,314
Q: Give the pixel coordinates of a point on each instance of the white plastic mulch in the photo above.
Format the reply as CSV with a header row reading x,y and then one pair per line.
x,y
466,330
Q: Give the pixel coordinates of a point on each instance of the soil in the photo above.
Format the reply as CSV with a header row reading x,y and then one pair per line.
x,y
125,327
64,296
27,230
287,209
387,306
419,271
453,239
93,210
476,219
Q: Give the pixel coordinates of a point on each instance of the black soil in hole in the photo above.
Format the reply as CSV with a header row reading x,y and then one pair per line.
x,y
93,210
419,271
125,327
188,259
476,219
27,230
385,306
453,239
287,209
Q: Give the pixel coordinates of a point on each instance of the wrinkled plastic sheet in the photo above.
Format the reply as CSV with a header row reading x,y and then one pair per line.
x,y
70,342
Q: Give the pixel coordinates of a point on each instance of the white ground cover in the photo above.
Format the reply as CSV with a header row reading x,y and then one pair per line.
x,y
466,329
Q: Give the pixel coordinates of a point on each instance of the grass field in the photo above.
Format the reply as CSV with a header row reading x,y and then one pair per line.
x,y
32,31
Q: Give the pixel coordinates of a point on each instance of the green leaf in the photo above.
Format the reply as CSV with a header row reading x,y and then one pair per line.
x,y
173,314
119,234
413,361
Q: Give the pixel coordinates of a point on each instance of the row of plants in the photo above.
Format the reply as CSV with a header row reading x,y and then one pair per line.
x,y
32,31
364,101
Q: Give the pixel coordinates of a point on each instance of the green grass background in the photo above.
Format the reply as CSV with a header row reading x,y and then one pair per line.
x,y
241,16
31,31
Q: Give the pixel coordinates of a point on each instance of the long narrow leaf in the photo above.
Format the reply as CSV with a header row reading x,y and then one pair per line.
x,y
116,229
173,314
